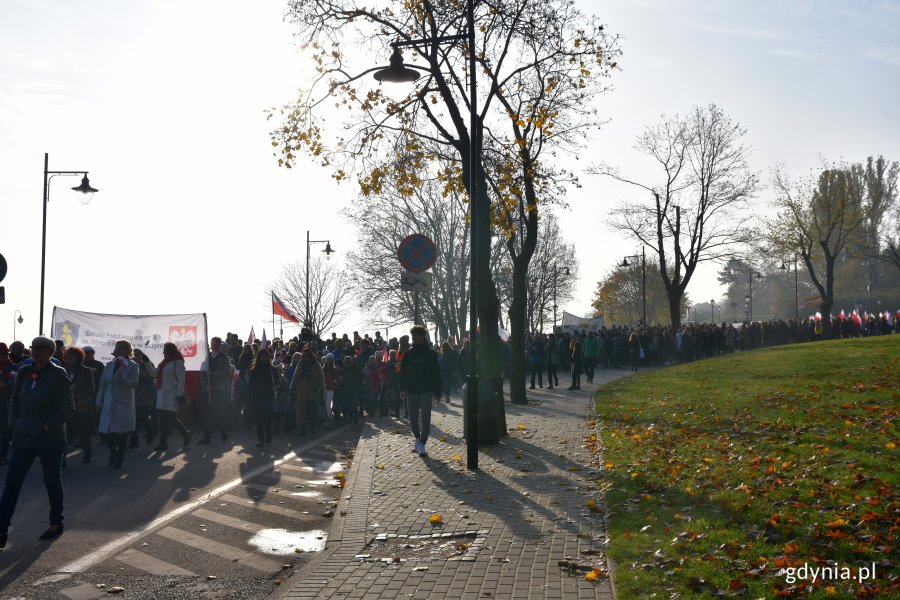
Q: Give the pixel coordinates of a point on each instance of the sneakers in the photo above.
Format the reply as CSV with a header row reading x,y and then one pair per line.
x,y
420,448
416,446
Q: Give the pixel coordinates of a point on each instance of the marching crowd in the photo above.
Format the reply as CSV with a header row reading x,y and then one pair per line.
x,y
53,398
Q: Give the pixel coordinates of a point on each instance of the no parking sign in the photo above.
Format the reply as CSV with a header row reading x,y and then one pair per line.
x,y
417,253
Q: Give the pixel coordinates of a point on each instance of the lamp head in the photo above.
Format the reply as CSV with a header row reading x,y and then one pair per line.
x,y
624,262
85,191
783,267
567,271
328,251
758,276
20,319
397,72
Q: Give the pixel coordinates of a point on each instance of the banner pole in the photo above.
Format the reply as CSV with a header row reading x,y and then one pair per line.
x,y
273,313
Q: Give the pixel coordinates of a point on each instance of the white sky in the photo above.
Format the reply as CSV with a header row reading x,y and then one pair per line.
x,y
162,101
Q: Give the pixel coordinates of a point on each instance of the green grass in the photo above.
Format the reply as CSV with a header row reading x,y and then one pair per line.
x,y
721,472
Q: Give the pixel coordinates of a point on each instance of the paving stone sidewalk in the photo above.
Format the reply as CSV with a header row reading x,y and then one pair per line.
x,y
504,529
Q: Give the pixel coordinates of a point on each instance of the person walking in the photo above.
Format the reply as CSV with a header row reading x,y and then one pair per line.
x,y
262,389
144,401
591,353
420,383
577,365
83,423
307,384
537,351
115,400
634,350
552,363
351,390
8,370
170,378
332,383
449,369
41,402
219,391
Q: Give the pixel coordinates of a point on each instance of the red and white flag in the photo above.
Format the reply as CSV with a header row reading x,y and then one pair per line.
x,y
856,319
279,308
252,337
843,317
264,343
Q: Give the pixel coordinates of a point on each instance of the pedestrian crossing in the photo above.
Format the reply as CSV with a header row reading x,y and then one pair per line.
x,y
261,528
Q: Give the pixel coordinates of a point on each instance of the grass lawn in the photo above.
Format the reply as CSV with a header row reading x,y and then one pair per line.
x,y
721,473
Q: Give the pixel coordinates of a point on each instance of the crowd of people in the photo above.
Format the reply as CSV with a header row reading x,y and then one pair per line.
x,y
54,399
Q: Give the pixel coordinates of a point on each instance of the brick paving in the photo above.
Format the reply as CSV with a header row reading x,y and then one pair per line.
x,y
504,529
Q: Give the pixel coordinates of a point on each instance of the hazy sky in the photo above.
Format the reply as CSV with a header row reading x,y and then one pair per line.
x,y
163,102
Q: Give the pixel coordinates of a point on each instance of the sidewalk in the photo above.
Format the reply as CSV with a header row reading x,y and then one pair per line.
x,y
504,529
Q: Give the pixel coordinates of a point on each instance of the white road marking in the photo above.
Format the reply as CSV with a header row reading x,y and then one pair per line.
x,y
150,564
91,559
241,524
224,551
277,510
283,477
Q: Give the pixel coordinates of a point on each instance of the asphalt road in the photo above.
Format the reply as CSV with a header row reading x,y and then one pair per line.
x,y
218,521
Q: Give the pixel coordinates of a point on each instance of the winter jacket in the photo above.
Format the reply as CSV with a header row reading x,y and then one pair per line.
x,y
47,401
116,396
420,371
172,386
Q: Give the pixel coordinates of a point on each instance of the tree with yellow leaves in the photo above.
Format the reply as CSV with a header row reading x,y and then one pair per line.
x,y
540,66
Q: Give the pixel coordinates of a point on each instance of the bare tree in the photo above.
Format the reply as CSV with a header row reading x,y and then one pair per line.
x,y
819,217
328,298
694,214
540,65
382,220
877,239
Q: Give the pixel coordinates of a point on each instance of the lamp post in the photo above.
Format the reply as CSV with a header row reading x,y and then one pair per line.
x,y
398,73
17,318
712,311
643,257
556,274
749,297
86,194
796,288
328,252
733,312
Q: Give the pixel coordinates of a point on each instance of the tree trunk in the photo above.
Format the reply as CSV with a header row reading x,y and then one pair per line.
x,y
492,415
517,318
674,295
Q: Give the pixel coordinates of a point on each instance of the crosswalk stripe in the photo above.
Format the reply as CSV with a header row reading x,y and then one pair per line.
x,y
241,524
150,564
288,478
221,550
261,488
276,510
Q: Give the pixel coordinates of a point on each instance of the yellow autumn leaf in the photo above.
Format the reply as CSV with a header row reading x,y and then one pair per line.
x,y
339,475
609,465
890,445
520,426
591,503
442,439
457,458
435,519
379,466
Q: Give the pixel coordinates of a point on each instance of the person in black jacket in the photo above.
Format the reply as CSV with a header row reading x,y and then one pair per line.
x,y
263,384
420,384
41,403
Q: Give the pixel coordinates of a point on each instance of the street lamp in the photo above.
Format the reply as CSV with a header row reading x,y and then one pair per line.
x,y
85,195
556,274
796,289
16,319
398,73
328,252
749,297
712,311
643,257
733,312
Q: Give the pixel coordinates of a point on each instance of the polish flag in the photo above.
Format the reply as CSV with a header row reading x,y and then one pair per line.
x,y
843,317
252,337
856,319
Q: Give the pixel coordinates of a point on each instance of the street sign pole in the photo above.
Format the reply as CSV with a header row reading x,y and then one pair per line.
x,y
416,307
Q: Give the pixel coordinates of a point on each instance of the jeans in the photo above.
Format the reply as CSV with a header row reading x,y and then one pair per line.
x,y
419,406
21,461
589,365
263,427
552,379
537,369
169,421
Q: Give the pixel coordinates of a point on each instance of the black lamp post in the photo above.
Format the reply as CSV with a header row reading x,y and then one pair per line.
x,y
398,73
750,294
643,257
86,194
328,252
556,274
796,289
17,318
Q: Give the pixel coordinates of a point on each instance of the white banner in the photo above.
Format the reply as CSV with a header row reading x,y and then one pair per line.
x,y
573,323
146,332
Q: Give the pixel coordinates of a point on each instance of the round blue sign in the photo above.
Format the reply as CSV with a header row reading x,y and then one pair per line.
x,y
417,253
